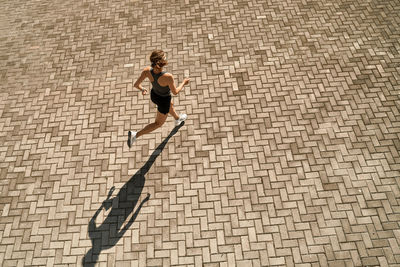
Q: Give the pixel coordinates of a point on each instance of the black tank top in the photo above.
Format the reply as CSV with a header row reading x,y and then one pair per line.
x,y
157,88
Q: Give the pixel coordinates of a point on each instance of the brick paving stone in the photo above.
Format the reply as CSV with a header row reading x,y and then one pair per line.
x,y
290,155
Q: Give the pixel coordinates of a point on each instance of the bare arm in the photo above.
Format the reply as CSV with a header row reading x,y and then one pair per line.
x,y
175,90
138,83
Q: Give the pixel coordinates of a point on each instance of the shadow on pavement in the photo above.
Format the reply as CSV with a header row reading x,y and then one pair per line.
x,y
111,230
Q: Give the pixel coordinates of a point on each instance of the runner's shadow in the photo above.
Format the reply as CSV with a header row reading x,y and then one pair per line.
x,y
111,230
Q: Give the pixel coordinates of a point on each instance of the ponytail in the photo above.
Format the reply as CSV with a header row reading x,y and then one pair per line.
x,y
157,59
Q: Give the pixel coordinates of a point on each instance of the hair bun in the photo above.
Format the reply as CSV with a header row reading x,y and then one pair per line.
x,y
157,59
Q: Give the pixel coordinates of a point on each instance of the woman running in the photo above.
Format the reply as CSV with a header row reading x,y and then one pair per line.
x,y
163,84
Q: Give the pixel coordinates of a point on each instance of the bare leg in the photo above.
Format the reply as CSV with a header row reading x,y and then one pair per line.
x,y
160,119
173,112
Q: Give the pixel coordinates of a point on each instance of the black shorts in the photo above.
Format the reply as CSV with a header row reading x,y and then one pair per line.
x,y
163,102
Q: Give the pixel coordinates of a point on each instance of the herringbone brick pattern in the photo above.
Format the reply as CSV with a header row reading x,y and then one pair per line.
x,y
290,155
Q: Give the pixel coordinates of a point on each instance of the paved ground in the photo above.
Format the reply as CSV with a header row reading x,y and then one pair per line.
x,y
290,155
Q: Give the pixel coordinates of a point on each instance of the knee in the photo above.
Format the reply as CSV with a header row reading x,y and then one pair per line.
x,y
158,123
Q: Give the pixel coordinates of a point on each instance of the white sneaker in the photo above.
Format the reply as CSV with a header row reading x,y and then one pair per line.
x,y
182,118
131,138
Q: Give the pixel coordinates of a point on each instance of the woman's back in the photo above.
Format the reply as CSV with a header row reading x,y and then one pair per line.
x,y
157,88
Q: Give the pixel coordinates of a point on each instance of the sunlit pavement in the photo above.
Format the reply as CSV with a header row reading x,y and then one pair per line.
x,y
289,157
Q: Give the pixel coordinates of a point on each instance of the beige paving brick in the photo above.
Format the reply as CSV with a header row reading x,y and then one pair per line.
x,y
289,157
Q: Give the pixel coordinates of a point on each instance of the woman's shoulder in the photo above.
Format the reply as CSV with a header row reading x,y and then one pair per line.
x,y
168,75
147,72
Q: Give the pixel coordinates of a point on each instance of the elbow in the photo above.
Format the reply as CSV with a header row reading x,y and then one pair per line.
x,y
137,84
